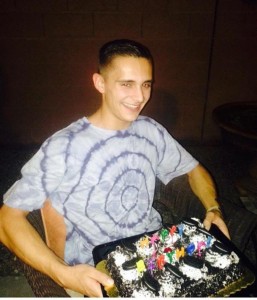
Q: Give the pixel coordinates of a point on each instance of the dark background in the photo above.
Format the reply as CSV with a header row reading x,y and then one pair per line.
x,y
205,55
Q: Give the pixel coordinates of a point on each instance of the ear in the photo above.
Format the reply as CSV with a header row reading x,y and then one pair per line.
x,y
98,82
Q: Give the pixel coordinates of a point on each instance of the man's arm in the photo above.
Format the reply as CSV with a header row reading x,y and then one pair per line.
x,y
203,187
21,238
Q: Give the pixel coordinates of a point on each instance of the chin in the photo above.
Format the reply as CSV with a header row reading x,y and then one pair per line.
x,y
132,119
129,117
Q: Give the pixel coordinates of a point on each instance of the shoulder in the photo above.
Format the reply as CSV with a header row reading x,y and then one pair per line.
x,y
64,137
150,125
71,130
148,121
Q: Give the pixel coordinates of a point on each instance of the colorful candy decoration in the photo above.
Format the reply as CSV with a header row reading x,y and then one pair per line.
x,y
164,234
190,249
180,230
208,242
200,245
154,239
173,230
144,243
151,265
166,250
160,261
171,255
180,252
140,266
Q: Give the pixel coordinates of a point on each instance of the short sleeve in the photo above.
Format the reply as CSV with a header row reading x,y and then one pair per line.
x,y
175,160
41,176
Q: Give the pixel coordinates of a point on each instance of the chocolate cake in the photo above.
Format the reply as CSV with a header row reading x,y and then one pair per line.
x,y
182,260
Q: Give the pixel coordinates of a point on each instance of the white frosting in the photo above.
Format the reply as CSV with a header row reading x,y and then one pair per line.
x,y
170,240
129,275
168,286
119,258
217,260
144,251
192,273
234,257
143,293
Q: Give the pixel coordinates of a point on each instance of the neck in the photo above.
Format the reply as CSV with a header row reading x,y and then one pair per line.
x,y
99,119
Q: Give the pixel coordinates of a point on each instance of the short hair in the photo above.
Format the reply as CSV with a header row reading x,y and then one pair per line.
x,y
122,47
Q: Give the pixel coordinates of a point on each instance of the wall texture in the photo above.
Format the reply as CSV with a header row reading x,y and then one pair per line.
x,y
205,55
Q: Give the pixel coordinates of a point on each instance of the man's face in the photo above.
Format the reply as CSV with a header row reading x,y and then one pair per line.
x,y
127,86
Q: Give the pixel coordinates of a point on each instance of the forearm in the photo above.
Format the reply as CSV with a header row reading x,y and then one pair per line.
x,y
203,187
21,238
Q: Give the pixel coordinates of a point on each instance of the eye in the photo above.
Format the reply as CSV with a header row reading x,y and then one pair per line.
x,y
147,85
126,84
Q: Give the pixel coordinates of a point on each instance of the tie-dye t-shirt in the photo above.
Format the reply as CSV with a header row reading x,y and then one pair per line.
x,y
101,181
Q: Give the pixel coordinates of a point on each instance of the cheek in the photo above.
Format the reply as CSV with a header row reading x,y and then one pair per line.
x,y
116,89
147,94
122,93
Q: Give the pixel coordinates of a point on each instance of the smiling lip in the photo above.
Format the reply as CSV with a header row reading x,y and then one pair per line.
x,y
132,106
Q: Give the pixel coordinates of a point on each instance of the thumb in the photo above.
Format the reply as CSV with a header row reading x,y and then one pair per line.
x,y
209,219
104,279
107,281
207,222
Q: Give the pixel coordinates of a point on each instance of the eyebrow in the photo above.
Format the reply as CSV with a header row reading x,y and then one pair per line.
x,y
131,81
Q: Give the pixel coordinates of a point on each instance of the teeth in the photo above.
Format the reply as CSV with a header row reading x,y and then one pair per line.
x,y
131,105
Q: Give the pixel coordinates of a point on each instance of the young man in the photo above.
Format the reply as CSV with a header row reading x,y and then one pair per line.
x,y
97,177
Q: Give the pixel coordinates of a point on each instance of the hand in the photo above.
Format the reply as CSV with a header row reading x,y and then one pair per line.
x,y
213,217
86,280
22,238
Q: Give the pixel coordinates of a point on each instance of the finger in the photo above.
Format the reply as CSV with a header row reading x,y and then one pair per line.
x,y
207,222
102,278
212,218
95,290
95,287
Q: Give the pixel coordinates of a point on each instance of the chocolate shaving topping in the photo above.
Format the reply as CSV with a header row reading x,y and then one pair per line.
x,y
150,282
202,230
190,222
193,262
173,270
220,248
129,246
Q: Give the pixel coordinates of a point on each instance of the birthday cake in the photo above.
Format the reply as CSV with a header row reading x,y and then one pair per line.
x,y
182,260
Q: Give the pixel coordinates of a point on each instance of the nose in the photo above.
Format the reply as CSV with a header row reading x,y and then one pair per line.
x,y
139,94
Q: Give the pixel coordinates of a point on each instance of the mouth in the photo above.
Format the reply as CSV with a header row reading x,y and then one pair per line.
x,y
134,107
